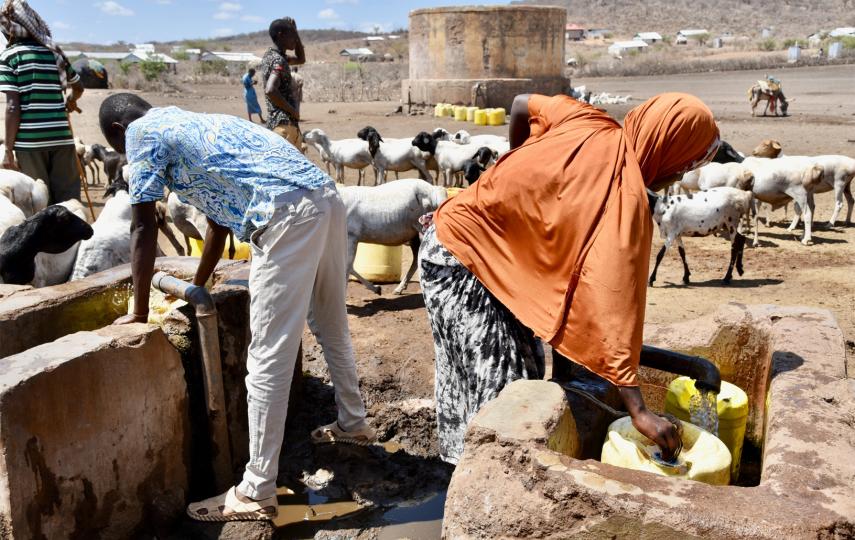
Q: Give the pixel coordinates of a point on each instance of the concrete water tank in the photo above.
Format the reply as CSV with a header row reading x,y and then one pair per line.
x,y
485,55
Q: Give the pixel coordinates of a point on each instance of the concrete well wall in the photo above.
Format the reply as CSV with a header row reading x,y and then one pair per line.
x,y
512,483
93,436
508,50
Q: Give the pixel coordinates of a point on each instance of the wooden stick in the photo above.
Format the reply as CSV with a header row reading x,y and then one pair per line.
x,y
80,170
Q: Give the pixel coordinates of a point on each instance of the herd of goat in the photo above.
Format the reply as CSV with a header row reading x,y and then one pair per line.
x,y
43,245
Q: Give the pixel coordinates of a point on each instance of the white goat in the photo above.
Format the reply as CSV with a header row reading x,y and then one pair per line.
x,y
10,215
53,269
450,157
399,156
110,244
838,173
497,143
29,195
717,211
350,153
388,215
716,175
779,180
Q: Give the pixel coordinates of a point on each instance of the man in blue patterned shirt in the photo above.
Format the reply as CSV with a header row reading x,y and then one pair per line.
x,y
247,179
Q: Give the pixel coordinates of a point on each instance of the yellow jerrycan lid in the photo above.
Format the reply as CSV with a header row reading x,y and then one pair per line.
x,y
732,401
704,458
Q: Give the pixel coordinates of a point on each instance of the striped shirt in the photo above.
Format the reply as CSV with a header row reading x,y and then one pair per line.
x,y
29,69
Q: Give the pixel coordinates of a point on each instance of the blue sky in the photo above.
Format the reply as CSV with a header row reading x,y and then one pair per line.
x,y
134,21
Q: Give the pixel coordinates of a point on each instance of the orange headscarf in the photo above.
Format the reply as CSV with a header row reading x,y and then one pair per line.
x,y
559,230
670,134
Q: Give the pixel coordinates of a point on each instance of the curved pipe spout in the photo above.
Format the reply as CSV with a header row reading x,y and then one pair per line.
x,y
215,401
705,373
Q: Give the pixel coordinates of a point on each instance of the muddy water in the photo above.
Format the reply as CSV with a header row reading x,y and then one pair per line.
x,y
421,521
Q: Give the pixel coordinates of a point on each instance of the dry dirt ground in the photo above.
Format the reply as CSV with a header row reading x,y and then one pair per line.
x,y
391,333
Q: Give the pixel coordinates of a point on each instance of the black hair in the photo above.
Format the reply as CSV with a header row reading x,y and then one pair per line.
x,y
281,26
123,108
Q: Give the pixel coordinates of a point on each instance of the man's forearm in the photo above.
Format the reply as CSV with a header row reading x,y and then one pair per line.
x,y
143,252
215,242
300,51
13,120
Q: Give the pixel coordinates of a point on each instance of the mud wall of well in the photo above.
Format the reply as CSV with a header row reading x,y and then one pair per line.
x,y
508,49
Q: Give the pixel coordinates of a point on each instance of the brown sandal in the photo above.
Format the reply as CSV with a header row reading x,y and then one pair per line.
x,y
227,507
332,433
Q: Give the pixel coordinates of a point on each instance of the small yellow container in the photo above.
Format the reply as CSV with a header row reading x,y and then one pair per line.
x,y
438,110
704,457
379,264
242,249
732,413
496,117
453,191
480,117
460,114
470,113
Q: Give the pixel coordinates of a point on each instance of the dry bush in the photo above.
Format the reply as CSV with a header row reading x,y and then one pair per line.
x,y
351,81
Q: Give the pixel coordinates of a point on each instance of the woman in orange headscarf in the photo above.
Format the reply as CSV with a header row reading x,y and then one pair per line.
x,y
554,243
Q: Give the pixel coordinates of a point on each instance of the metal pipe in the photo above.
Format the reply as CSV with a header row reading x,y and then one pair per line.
x,y
704,372
215,401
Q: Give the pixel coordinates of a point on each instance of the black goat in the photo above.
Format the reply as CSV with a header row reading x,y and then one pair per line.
x,y
727,154
52,230
112,160
472,171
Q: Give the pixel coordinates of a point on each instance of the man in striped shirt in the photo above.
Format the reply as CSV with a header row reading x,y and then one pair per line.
x,y
38,135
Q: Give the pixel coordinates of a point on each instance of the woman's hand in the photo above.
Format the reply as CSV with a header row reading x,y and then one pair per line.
x,y
660,431
131,319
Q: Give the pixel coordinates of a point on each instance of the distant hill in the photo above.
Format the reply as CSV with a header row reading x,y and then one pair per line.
x,y
240,42
789,18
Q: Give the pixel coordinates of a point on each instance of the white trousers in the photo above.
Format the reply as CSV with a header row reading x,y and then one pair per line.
x,y
298,271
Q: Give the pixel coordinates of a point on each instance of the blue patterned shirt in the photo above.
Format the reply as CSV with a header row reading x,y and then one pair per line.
x,y
230,169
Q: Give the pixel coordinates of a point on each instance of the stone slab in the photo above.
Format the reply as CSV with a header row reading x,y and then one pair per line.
x,y
93,436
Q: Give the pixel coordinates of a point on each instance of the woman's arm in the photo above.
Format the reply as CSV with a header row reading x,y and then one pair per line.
x,y
519,131
651,425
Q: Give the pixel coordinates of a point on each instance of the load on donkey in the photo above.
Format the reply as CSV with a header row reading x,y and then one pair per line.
x,y
770,91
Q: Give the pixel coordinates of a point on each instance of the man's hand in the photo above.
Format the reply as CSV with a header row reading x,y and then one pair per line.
x,y
660,431
9,161
71,104
131,319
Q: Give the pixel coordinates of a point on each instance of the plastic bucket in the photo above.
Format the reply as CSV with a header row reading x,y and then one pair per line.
x,y
378,264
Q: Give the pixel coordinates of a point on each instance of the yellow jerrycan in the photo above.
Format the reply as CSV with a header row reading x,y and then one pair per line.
x,y
732,413
379,264
479,117
470,113
496,117
460,114
242,249
704,457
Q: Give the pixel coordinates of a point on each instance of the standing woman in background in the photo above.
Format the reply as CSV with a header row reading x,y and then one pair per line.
x,y
252,106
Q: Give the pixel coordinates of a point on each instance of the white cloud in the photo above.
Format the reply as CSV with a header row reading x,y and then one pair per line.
x,y
252,18
114,8
223,15
163,2
230,6
354,2
328,14
223,32
59,25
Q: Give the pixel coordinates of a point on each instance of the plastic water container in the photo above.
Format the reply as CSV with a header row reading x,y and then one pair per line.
x,y
480,117
460,114
470,113
496,117
242,249
704,457
379,264
438,110
453,191
732,413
